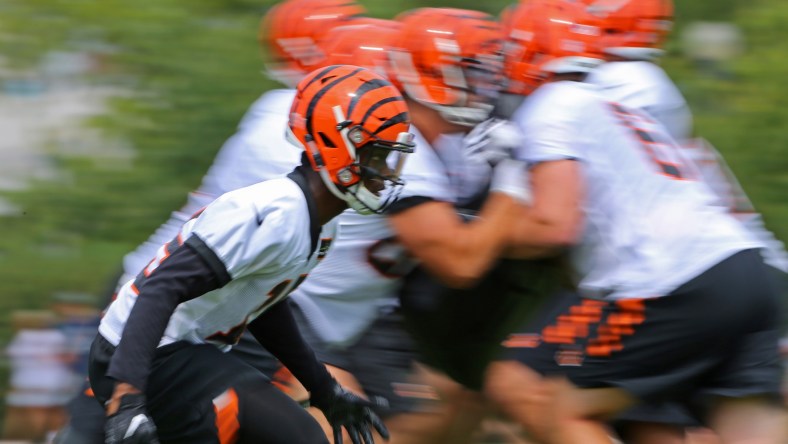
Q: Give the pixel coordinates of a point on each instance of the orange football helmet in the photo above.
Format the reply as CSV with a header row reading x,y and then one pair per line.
x,y
353,124
365,43
547,37
633,29
291,33
450,60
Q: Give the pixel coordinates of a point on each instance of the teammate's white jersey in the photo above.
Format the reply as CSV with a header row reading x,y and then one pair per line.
x,y
650,226
261,234
644,85
258,151
360,275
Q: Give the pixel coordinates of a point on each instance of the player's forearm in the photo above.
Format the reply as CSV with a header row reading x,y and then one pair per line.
x,y
142,333
554,221
535,240
183,276
458,253
277,331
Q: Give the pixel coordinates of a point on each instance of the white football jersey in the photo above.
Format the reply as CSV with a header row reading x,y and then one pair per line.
x,y
646,86
650,225
258,151
261,234
360,275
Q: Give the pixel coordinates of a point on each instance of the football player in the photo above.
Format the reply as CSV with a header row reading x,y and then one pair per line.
x,y
631,37
258,151
448,65
157,362
651,252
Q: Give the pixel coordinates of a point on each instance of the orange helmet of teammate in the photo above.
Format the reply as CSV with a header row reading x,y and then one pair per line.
x,y
353,124
291,33
450,60
633,29
547,37
364,43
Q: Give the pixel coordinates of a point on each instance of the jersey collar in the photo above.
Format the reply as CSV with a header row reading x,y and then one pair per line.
x,y
297,176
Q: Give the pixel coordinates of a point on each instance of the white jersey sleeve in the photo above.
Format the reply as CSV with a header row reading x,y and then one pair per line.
x,y
258,151
262,236
650,225
646,86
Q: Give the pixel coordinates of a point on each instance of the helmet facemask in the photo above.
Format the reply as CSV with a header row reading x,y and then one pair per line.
x,y
377,162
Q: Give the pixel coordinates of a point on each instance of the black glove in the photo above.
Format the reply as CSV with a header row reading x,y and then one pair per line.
x,y
130,424
345,409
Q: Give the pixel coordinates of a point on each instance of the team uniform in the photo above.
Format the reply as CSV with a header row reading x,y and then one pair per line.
x,y
233,265
673,298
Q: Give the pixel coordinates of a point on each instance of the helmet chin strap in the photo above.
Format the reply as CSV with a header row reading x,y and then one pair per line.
x,y
355,200
362,200
358,197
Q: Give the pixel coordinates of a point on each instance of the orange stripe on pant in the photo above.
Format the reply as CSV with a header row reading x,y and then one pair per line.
x,y
570,327
226,408
630,312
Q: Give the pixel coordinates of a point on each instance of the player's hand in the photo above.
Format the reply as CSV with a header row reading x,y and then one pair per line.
x,y
492,141
345,409
130,424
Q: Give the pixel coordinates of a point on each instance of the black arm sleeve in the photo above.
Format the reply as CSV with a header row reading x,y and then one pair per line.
x,y
277,331
183,276
406,203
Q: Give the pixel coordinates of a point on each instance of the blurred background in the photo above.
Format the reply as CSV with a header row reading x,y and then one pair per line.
x,y
110,112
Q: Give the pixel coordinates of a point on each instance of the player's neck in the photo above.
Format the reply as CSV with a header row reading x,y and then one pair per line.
x,y
429,122
328,205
